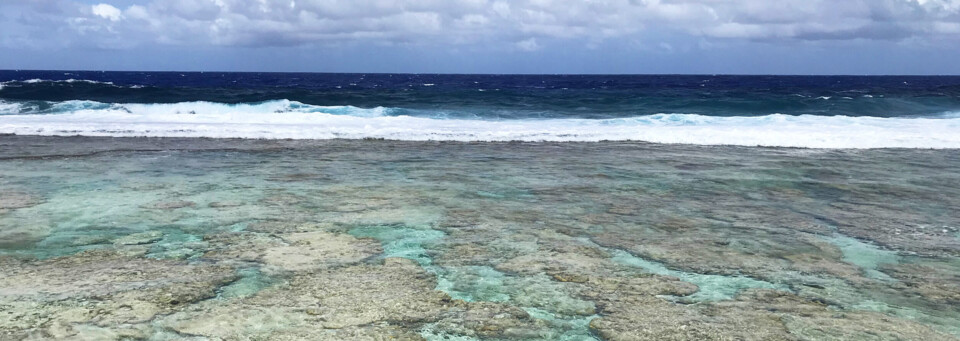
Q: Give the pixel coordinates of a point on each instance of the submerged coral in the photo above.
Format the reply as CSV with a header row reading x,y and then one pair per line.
x,y
361,240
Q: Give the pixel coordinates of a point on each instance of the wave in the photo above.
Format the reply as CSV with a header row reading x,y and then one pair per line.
x,y
167,109
68,81
36,81
294,120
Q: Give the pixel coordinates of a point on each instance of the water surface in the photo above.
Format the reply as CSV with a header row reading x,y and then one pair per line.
x,y
238,239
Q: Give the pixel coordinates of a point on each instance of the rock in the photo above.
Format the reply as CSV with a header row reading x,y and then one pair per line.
x,y
650,318
99,273
490,321
239,246
280,226
283,199
139,238
10,200
937,285
22,237
755,315
90,240
169,205
318,250
99,294
224,204
354,301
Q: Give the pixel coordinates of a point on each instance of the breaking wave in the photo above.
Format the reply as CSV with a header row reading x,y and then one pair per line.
x,y
284,119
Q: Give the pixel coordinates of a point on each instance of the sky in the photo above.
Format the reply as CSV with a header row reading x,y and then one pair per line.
x,y
485,36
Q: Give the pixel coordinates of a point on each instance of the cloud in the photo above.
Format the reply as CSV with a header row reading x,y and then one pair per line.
x,y
107,12
528,45
517,24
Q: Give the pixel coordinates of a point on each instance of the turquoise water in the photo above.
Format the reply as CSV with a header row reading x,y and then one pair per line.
x,y
251,281
867,256
560,233
710,287
482,283
400,241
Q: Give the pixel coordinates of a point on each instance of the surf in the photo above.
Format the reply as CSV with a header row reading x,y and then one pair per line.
x,y
285,119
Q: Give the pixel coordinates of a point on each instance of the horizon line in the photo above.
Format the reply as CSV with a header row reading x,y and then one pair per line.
x,y
501,74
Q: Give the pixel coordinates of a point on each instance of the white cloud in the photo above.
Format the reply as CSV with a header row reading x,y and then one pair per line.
x,y
528,44
517,23
107,12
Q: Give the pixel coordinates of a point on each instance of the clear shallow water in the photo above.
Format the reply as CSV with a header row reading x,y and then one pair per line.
x,y
710,287
787,111
503,240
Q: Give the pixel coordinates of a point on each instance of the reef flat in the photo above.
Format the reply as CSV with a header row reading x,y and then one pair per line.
x,y
221,239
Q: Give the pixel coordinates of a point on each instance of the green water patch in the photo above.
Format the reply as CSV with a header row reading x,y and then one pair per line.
x,y
176,244
473,283
66,241
402,241
251,282
867,256
469,283
490,195
568,318
538,295
567,328
505,194
711,287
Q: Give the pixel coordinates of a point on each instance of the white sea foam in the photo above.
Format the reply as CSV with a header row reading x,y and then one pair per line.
x,y
287,119
6,107
37,81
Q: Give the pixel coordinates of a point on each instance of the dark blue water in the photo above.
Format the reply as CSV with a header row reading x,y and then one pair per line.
x,y
503,96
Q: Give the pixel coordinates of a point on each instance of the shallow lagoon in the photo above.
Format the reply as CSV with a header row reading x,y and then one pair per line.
x,y
160,239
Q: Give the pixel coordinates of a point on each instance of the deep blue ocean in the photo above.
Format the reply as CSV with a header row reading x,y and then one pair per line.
x,y
513,107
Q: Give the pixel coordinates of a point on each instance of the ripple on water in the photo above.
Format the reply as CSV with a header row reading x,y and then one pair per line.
x,y
484,283
711,287
401,241
251,281
868,257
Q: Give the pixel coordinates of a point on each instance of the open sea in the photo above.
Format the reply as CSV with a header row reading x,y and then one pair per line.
x,y
789,111
246,206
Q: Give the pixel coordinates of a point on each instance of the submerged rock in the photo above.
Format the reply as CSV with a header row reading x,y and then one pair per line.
x,y
139,238
489,320
169,205
355,300
224,204
22,236
11,200
503,243
98,294
319,250
755,315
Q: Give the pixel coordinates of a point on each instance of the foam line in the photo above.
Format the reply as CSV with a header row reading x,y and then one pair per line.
x,y
286,119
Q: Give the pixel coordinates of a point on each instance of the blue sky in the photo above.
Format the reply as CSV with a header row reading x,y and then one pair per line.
x,y
485,36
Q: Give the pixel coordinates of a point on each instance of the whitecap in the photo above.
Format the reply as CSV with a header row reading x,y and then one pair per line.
x,y
289,119
71,80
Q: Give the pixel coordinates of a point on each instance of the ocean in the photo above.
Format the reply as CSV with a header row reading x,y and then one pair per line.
x,y
239,206
785,111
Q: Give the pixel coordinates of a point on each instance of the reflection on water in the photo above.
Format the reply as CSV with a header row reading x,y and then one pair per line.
x,y
146,238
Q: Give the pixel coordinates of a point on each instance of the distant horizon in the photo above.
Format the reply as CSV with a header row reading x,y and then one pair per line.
x,y
494,74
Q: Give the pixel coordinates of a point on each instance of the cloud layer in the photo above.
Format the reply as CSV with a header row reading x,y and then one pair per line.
x,y
522,25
